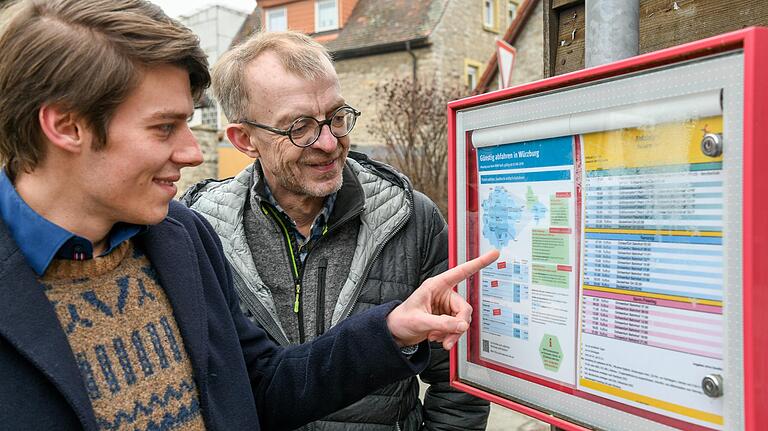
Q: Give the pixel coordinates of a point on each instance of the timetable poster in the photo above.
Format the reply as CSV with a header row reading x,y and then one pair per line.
x,y
527,299
652,294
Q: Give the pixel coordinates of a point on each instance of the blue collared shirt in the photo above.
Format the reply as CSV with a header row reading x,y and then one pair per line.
x,y
40,240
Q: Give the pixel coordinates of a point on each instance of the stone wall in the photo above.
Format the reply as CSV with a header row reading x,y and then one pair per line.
x,y
458,37
360,75
529,64
208,139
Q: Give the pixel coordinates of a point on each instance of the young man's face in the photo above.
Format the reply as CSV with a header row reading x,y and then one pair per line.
x,y
148,142
279,99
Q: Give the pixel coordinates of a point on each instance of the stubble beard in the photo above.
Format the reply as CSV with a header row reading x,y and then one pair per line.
x,y
313,190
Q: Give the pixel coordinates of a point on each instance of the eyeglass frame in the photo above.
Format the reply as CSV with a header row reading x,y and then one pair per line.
x,y
326,122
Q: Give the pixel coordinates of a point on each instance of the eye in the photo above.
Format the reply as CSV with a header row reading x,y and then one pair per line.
x,y
339,119
301,127
166,129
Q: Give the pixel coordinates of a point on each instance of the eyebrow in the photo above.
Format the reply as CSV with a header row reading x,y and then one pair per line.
x,y
170,115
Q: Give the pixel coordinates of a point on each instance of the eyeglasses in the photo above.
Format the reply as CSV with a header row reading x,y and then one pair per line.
x,y
305,131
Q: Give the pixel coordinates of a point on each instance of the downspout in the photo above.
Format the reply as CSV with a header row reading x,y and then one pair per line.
x,y
413,56
612,31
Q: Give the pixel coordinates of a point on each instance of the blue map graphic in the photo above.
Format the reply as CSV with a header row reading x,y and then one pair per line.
x,y
506,215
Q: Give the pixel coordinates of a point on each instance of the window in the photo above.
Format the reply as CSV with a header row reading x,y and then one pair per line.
x,y
326,15
210,117
472,74
489,14
511,11
277,19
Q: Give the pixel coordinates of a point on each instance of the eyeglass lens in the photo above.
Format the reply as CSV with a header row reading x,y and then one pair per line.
x,y
305,131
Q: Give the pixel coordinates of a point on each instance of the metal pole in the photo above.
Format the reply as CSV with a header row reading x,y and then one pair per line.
x,y
612,30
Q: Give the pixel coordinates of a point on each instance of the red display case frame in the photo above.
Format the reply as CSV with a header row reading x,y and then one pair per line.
x,y
753,42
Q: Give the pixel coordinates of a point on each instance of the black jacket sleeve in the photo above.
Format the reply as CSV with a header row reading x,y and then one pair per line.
x,y
445,408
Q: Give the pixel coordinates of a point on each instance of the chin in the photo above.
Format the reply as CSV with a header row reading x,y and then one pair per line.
x,y
155,216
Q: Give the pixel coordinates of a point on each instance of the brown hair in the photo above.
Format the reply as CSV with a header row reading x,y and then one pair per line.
x,y
298,53
85,56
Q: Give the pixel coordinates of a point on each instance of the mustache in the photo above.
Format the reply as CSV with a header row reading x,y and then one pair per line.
x,y
317,157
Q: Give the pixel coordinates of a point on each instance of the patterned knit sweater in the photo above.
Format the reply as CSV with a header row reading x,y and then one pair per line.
x,y
121,328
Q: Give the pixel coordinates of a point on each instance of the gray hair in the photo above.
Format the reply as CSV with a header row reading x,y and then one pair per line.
x,y
298,53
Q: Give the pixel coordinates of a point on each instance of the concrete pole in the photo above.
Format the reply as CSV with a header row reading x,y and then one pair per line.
x,y
612,30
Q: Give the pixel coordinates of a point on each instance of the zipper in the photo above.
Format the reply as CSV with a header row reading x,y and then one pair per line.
x,y
361,281
298,275
297,306
320,315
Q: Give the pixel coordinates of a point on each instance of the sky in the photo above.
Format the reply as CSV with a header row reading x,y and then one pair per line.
x,y
174,8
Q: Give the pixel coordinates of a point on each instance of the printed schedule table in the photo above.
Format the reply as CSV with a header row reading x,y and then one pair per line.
x,y
651,300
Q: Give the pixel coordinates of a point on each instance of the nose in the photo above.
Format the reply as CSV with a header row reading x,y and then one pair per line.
x,y
187,152
326,141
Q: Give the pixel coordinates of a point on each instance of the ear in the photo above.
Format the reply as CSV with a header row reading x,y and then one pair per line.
x,y
64,129
241,139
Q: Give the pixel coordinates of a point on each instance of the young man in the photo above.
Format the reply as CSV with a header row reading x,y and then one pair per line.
x,y
315,233
117,311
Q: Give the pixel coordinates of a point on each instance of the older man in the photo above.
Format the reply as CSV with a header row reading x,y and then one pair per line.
x,y
117,311
336,232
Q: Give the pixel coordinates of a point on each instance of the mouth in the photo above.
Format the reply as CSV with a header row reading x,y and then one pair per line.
x,y
324,166
167,183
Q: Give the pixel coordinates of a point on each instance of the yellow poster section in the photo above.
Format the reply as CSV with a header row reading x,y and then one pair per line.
x,y
650,146
642,399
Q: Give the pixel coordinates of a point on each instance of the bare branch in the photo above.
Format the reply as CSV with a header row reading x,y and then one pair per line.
x,y
412,125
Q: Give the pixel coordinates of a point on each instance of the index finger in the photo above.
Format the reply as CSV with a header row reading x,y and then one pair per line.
x,y
462,272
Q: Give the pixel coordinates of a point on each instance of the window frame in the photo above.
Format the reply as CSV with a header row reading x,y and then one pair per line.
x,y
269,12
477,66
492,7
319,29
516,3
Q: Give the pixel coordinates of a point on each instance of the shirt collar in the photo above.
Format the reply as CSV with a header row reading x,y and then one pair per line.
x,y
261,190
41,240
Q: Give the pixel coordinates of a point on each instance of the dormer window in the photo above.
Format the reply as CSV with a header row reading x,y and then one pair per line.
x,y
326,15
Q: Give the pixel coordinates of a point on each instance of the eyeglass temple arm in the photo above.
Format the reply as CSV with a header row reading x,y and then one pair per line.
x,y
265,127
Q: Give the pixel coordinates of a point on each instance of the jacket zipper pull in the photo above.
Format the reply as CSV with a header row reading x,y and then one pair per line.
x,y
296,303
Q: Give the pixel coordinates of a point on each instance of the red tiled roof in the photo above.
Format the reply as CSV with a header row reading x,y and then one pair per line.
x,y
386,23
374,26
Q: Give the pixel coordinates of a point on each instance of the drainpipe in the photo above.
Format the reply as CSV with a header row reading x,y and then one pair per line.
x,y
415,60
612,30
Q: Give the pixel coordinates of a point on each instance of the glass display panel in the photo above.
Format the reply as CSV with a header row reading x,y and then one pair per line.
x,y
612,225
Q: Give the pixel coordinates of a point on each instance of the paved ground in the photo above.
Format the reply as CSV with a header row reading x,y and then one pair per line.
x,y
502,419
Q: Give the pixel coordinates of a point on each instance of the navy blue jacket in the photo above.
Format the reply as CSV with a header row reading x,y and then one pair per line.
x,y
238,370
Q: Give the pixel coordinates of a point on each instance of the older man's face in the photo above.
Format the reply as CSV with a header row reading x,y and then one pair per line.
x,y
278,98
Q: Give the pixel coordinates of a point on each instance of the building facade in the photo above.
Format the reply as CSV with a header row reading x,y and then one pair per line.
x,y
446,42
216,26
